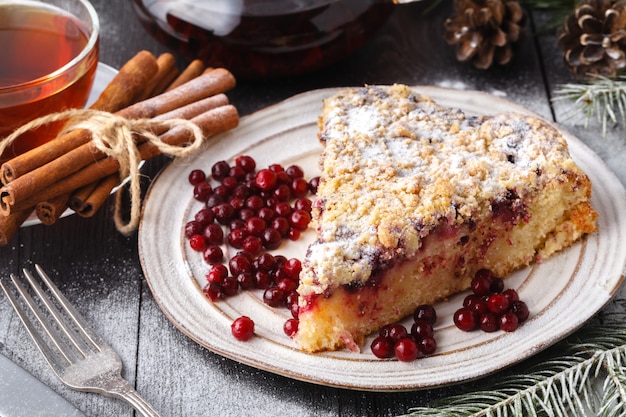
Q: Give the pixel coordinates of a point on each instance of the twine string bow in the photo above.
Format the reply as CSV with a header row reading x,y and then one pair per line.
x,y
115,137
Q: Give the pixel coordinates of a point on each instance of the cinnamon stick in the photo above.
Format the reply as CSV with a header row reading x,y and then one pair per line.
x,y
98,196
48,212
9,225
78,197
39,179
211,122
119,93
166,73
193,70
130,81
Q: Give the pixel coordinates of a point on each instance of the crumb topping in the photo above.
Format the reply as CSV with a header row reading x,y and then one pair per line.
x,y
396,164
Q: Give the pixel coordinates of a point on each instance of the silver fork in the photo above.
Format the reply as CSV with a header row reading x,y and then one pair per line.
x,y
79,357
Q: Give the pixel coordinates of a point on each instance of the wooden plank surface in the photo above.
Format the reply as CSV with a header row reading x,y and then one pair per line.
x,y
99,269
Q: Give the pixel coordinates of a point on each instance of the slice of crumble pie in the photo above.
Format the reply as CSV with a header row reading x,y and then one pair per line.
x,y
415,197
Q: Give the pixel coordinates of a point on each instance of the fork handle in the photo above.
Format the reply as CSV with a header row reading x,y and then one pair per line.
x,y
121,389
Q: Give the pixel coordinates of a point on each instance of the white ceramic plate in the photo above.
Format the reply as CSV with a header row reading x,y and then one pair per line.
x,y
562,293
104,75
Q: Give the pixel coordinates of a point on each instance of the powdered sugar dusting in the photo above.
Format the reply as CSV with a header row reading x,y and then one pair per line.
x,y
395,159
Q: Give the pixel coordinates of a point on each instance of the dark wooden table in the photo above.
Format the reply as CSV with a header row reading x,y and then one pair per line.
x,y
99,269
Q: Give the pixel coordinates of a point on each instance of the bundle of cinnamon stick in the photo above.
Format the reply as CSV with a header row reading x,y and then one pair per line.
x,y
72,172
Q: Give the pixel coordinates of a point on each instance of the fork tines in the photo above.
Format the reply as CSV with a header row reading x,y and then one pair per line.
x,y
67,330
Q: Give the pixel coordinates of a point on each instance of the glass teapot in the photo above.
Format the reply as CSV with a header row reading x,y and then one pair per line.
x,y
264,38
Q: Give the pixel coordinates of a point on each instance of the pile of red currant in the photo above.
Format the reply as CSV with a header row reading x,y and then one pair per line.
x,y
395,340
252,211
490,307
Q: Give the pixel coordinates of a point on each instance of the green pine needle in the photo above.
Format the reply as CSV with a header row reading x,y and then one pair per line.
x,y
602,97
588,379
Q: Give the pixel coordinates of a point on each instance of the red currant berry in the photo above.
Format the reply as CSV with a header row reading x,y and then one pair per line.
x,y
266,179
300,219
271,238
287,285
282,193
213,254
213,234
498,303
427,345
277,168
294,234
266,214
262,280
246,280
274,297
255,226
521,310
511,294
205,216
425,312
293,267
202,191
481,283
465,319
220,170
497,286
252,244
230,182
313,184
294,171
223,213
508,322
255,203
421,329
196,176
214,200
230,286
239,264
246,163
242,328
193,227
237,172
281,225
235,238
217,273
241,192
396,331
489,322
222,191
197,242
265,262
303,204
282,209
290,327
382,347
406,349
476,304
299,187
213,291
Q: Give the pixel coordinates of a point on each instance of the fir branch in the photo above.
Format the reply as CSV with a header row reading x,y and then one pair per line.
x,y
562,386
601,96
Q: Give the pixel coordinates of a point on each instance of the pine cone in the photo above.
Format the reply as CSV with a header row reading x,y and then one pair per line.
x,y
593,38
485,31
